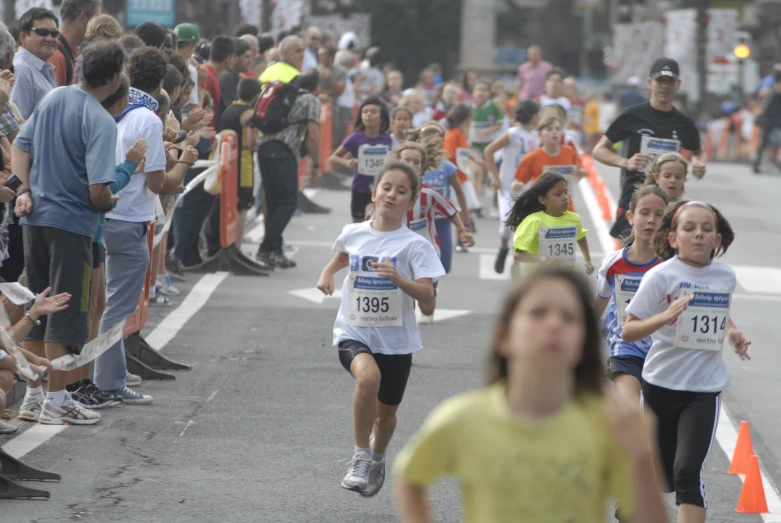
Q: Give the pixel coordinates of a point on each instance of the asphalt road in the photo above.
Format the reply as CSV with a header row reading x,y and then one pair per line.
x,y
260,429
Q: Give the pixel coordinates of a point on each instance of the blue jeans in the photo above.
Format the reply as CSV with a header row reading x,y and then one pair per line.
x,y
188,220
445,232
127,259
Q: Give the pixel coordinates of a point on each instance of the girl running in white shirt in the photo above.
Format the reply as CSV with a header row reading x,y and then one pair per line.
x,y
669,173
375,330
401,122
684,305
513,146
617,283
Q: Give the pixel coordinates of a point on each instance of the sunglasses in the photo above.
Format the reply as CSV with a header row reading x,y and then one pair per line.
x,y
54,33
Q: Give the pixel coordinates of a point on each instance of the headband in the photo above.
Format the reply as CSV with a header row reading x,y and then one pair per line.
x,y
692,203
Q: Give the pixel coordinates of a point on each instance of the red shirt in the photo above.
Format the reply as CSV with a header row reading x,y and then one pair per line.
x,y
212,87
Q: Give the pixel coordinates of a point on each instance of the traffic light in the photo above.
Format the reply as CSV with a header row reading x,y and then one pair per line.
x,y
742,46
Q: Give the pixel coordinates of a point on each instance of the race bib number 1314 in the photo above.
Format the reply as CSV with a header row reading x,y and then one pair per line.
x,y
703,325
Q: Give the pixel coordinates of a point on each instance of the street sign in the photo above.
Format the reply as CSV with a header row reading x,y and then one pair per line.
x,y
158,11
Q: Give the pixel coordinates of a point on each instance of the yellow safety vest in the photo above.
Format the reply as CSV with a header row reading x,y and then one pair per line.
x,y
279,72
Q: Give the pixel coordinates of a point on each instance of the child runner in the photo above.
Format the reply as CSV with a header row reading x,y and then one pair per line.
x,y
617,283
543,441
669,173
554,90
441,180
429,205
683,304
401,122
550,157
368,147
487,121
375,329
568,136
545,231
514,145
456,146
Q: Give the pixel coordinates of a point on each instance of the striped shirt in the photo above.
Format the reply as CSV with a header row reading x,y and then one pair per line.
x,y
429,205
618,280
33,79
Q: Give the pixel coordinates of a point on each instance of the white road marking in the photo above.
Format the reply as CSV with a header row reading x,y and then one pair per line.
x,y
186,427
314,295
211,397
195,300
759,280
256,233
28,440
445,314
726,435
487,271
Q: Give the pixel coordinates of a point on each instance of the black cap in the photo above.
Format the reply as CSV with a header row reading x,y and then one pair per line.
x,y
666,67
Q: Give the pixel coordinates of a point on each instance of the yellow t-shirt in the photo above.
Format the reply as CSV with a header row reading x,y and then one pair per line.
x,y
564,469
527,235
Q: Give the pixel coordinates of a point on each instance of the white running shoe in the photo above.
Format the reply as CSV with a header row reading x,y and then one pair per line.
x,y
357,478
7,428
376,479
31,408
132,380
71,413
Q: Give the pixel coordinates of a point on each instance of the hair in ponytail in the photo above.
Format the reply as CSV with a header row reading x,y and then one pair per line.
x,y
670,224
641,192
529,202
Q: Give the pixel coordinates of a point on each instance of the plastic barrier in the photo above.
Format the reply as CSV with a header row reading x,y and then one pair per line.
x,y
229,257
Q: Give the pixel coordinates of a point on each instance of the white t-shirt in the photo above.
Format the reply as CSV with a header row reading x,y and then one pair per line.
x,y
414,257
522,142
673,367
194,77
347,98
136,201
563,101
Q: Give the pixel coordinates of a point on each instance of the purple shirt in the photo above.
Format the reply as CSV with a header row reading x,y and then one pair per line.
x,y
532,78
361,182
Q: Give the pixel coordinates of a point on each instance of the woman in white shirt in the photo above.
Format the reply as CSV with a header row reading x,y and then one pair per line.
x,y
684,305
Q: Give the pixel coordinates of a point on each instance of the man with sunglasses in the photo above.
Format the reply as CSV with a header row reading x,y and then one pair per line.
x,y
33,73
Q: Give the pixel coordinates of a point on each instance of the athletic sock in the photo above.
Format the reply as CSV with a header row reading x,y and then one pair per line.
x,y
377,457
57,398
34,391
366,452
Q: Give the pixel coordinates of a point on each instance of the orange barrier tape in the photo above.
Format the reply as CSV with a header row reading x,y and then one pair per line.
x,y
137,321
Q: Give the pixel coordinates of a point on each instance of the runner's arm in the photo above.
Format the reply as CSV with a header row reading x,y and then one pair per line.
x,y
583,244
413,503
649,504
461,197
340,157
421,290
600,304
603,153
500,143
340,261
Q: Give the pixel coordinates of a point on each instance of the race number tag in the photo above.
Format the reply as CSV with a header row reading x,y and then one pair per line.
x,y
567,171
559,243
371,159
374,301
462,161
703,325
625,289
655,147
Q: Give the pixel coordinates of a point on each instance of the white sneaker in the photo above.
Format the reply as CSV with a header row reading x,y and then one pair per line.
x,y
133,380
376,479
7,428
71,413
31,407
357,478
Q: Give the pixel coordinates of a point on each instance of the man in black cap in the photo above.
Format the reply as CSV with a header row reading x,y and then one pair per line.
x,y
648,130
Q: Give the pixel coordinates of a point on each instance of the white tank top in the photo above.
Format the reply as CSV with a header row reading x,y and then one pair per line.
x,y
522,142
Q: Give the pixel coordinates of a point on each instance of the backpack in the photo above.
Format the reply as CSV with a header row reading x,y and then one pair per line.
x,y
273,106
65,49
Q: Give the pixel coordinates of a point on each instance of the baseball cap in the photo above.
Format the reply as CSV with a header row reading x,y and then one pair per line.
x,y
665,67
187,33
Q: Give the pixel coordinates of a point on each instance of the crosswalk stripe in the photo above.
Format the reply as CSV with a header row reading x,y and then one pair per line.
x,y
487,271
759,280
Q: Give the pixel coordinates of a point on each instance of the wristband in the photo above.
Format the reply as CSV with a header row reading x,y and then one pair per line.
x,y
30,319
24,191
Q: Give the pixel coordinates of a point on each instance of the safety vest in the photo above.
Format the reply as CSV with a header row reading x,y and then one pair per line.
x,y
279,71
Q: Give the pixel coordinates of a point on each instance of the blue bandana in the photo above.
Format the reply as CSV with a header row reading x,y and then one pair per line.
x,y
138,99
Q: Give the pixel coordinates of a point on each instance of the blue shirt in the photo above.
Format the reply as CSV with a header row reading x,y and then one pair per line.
x,y
71,139
33,79
439,179
615,267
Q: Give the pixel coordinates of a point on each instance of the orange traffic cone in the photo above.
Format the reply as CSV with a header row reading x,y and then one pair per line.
x,y
752,497
743,451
